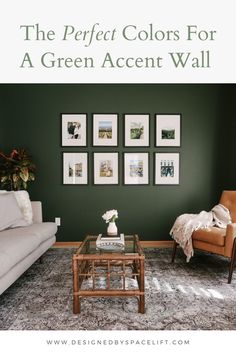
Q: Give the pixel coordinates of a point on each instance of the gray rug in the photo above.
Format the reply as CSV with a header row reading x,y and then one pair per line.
x,y
179,296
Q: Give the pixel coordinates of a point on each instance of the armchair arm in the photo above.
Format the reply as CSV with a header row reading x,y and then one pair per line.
x,y
229,238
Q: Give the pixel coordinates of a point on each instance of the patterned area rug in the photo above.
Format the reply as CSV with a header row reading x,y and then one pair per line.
x,y
179,296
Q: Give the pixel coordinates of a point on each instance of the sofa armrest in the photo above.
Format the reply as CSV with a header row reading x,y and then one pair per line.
x,y
37,212
229,240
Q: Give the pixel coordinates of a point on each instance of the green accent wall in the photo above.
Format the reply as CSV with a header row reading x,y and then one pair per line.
x,y
31,115
226,162
2,122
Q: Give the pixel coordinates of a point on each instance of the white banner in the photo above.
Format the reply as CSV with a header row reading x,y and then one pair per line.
x,y
117,42
166,342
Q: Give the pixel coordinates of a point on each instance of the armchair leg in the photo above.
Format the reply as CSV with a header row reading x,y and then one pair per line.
x,y
174,251
231,266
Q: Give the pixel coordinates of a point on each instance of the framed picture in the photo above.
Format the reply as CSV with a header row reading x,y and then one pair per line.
x,y
75,168
74,129
105,129
168,129
167,168
136,168
136,129
105,168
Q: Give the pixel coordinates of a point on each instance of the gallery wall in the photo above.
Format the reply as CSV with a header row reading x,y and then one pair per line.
x,y
32,120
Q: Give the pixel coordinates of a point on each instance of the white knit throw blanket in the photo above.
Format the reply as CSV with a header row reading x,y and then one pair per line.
x,y
185,224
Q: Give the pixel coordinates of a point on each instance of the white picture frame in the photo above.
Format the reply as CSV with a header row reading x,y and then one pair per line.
x,y
136,130
75,168
136,168
73,129
106,168
167,168
105,129
168,130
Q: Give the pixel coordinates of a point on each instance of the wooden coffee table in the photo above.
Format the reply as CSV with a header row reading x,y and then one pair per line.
x,y
121,273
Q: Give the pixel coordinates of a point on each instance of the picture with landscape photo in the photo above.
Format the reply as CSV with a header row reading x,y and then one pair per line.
x,y
106,168
168,129
136,130
168,133
136,168
105,130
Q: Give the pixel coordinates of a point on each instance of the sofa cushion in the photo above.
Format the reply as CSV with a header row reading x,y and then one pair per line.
x,y
10,213
24,203
18,243
212,235
43,231
15,244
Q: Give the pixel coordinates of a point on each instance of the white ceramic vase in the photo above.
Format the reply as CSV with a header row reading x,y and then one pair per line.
x,y
112,228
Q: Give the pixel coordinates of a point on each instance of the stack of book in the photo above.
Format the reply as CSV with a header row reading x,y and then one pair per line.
x,y
113,243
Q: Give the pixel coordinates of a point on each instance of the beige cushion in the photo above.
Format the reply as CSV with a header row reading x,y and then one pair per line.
x,y
43,230
212,235
10,213
24,203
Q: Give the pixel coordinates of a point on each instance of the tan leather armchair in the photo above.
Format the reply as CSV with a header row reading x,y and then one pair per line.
x,y
216,240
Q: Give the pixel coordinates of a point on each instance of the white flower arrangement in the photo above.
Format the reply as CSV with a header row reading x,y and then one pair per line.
x,y
110,215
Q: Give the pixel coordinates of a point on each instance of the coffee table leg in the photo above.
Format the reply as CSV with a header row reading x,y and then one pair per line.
x,y
141,308
141,304
133,269
76,299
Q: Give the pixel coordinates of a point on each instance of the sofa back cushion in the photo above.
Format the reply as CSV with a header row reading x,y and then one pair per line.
x,y
10,213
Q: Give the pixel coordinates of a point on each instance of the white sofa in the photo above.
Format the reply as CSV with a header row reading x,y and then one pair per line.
x,y
20,247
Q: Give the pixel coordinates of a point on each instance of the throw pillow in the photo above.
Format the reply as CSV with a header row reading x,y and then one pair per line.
x,y
10,213
24,203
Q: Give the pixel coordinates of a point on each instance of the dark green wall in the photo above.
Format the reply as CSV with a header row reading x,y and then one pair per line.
x,y
226,166
32,113
2,123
